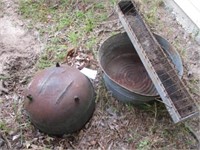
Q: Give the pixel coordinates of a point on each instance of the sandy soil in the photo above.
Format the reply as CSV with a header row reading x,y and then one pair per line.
x,y
19,49
16,43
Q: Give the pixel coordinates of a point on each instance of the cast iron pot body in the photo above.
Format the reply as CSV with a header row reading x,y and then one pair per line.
x,y
124,74
60,100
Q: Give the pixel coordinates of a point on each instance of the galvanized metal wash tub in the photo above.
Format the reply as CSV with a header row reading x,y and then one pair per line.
x,y
124,74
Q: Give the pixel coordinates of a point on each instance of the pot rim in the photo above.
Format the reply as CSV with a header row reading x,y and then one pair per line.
x,y
165,50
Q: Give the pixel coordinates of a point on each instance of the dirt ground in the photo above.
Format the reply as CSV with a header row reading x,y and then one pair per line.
x,y
19,50
113,125
19,47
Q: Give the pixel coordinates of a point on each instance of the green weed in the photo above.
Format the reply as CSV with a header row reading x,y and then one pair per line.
x,y
4,127
63,22
129,107
144,144
151,17
44,62
89,25
73,37
80,15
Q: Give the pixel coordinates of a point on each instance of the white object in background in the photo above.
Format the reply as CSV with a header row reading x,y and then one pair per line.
x,y
89,73
191,8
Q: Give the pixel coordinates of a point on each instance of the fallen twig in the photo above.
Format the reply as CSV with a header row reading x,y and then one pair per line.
x,y
2,89
9,146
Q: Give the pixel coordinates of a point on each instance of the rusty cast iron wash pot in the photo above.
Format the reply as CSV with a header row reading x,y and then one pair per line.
x,y
124,74
60,100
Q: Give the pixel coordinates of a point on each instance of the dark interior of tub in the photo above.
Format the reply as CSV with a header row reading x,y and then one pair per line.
x,y
121,63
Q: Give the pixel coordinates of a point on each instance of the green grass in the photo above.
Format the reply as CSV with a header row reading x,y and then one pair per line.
x,y
3,126
143,144
66,25
44,62
73,37
151,15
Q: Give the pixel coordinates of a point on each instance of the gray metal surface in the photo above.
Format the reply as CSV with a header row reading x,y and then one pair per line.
x,y
172,90
124,73
124,95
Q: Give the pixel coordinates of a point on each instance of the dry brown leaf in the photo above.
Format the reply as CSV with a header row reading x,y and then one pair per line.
x,y
71,52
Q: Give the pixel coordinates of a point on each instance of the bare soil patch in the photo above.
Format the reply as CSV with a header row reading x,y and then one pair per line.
x,y
19,49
